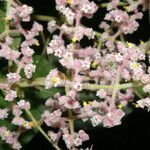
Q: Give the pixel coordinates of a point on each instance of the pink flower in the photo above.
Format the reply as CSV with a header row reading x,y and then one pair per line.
x,y
68,140
17,146
27,51
53,79
146,88
16,111
12,12
4,133
24,12
9,40
117,15
67,12
8,53
144,103
52,119
52,135
36,28
126,75
113,118
77,141
29,70
60,2
101,93
49,102
113,4
96,120
88,8
18,121
52,26
69,102
11,95
146,78
129,27
118,57
13,77
56,43
104,25
3,114
110,45
77,86
83,135
23,104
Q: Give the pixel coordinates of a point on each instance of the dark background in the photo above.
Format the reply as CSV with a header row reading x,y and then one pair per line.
x,y
134,132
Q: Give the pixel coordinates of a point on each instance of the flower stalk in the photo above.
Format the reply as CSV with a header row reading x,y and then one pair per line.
x,y
36,124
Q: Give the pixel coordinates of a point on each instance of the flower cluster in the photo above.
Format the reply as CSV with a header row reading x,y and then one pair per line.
x,y
94,84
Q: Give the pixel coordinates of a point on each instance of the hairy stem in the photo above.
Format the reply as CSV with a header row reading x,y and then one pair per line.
x,y
41,130
44,18
115,87
87,86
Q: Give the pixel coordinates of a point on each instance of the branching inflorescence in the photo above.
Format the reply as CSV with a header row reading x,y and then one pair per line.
x,y
112,70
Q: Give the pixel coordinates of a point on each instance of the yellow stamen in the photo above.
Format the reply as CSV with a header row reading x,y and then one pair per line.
x,y
126,8
94,65
31,124
120,106
54,80
135,65
7,133
137,106
37,43
6,19
74,39
91,103
84,103
141,42
28,123
130,44
69,1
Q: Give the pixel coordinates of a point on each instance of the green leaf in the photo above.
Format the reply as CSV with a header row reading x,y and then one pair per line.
x,y
3,103
16,43
4,146
2,16
36,96
27,136
5,122
128,109
45,94
37,111
79,124
87,96
43,66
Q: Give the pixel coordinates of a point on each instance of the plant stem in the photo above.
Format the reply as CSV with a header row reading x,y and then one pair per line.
x,y
41,130
70,114
95,87
43,18
103,5
10,32
45,46
30,83
115,87
71,124
87,86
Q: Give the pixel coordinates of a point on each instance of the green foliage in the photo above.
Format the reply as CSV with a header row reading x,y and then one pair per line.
x,y
16,43
2,16
4,146
45,94
38,95
27,136
3,103
43,66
